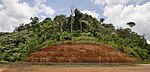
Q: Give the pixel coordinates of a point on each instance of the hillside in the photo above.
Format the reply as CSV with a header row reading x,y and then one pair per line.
x,y
30,38
80,52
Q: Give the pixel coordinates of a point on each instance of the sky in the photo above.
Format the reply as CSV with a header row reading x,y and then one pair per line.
x,y
118,12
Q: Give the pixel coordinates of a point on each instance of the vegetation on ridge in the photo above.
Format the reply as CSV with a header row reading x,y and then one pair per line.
x,y
29,38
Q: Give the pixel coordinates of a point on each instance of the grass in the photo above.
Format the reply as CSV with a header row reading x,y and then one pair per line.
x,y
144,62
74,39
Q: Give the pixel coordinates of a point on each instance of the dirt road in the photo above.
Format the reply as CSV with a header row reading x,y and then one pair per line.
x,y
47,68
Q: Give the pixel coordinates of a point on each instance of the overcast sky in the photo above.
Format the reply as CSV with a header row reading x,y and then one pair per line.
x,y
118,12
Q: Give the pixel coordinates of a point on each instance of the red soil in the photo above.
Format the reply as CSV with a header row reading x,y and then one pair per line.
x,y
80,52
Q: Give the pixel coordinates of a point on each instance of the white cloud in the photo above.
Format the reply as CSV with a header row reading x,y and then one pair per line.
x,y
13,13
115,2
92,13
1,6
119,12
120,15
148,41
42,8
40,1
109,2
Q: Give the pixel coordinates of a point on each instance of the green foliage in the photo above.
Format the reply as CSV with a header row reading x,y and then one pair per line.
x,y
131,24
28,38
34,20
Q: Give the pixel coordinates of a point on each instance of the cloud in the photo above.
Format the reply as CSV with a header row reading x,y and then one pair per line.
x,y
40,1
1,6
148,41
108,2
92,13
119,12
42,8
115,2
119,15
13,13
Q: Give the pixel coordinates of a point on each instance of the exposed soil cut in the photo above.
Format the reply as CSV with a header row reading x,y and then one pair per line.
x,y
80,52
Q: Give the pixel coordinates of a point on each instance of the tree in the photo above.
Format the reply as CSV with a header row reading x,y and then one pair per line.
x,y
70,19
20,28
102,20
131,24
60,20
28,38
34,20
47,20
78,18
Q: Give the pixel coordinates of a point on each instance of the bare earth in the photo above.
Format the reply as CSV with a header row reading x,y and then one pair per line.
x,y
47,68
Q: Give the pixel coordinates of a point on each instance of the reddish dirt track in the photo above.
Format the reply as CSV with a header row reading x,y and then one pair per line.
x,y
80,52
46,68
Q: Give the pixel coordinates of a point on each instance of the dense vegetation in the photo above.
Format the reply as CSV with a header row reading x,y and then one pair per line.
x,y
28,38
